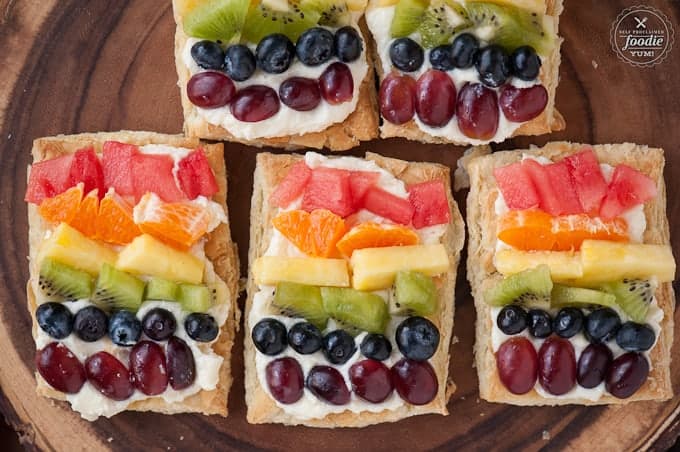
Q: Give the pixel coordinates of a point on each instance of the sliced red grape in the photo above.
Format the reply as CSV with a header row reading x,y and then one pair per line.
x,y
299,93
371,380
181,364
435,98
593,365
285,380
627,374
557,365
477,111
60,368
326,383
523,104
415,381
398,98
210,89
148,368
255,103
336,83
109,376
517,365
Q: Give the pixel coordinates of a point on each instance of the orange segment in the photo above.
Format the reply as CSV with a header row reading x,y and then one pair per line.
x,y
314,233
63,207
374,235
85,219
572,230
114,222
527,230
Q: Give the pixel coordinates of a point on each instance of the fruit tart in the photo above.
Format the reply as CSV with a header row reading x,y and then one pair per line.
x,y
466,72
571,270
133,274
350,293
282,73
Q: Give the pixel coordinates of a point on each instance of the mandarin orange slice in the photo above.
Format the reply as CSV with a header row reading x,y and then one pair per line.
x,y
374,235
114,222
63,207
315,233
85,219
527,230
572,230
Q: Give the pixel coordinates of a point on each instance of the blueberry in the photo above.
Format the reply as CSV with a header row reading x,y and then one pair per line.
x,y
568,322
464,50
208,55
314,46
90,324
55,319
347,44
601,325
275,53
304,338
269,336
525,63
539,323
239,62
406,54
493,66
635,337
338,346
512,319
441,57
201,327
376,346
159,324
417,338
124,328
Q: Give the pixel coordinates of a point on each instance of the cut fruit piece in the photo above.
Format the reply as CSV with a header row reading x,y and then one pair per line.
x,y
564,265
387,205
605,261
216,20
628,188
149,256
87,169
334,13
117,166
300,300
359,183
70,247
589,182
408,15
362,310
563,296
558,174
195,175
290,18
63,207
442,19
537,6
194,297
315,234
415,294
115,223
573,230
430,204
329,188
376,268
516,187
153,173
292,185
530,287
527,230
374,235
116,290
63,281
48,178
633,296
85,219
547,192
160,289
314,271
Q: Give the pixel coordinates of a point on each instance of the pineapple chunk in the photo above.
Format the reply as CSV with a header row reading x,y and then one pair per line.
x,y
70,247
149,256
313,271
376,268
564,265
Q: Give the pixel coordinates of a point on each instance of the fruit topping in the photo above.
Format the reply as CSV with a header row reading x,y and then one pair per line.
x,y
288,18
398,98
125,328
517,365
371,380
255,103
285,380
304,338
576,296
109,376
90,324
512,320
215,20
525,63
201,327
523,104
68,246
63,207
601,325
568,322
627,188
430,204
516,186
359,183
477,111
85,217
417,338
464,50
627,374
374,235
558,176
406,54
635,337
605,261
117,166
315,233
271,270
493,66
336,83
327,384
159,324
239,62
114,223
565,266
557,365
539,323
194,297
589,182
116,289
376,346
269,336
292,185
414,294
63,281
155,173
210,89
435,98
347,44
338,346
387,205
408,15
440,21
593,364
329,188
299,93
49,178
208,55
55,319
363,311
531,286
181,364
275,53
148,368
315,46
160,289
60,368
415,381
633,296
195,176
299,300
87,169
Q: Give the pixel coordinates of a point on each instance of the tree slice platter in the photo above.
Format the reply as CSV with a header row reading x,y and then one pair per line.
x,y
70,66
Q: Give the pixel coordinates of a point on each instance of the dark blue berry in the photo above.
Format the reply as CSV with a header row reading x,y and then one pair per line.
x,y
406,54
338,346
635,337
90,324
314,46
55,319
269,336
305,338
376,346
601,325
347,44
201,327
417,338
512,319
159,324
239,62
493,66
208,55
525,63
568,322
539,323
275,53
464,50
441,58
124,328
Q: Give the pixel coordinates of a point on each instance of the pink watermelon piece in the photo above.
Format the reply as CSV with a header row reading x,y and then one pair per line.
x,y
117,166
195,175
628,188
153,173
430,204
48,178
387,205
516,187
360,182
292,185
87,169
548,199
329,188
588,180
561,182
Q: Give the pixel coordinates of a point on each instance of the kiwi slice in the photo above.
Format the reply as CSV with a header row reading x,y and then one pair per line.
x,y
117,290
160,289
415,294
363,310
333,13
563,296
194,297
300,300
57,280
217,20
265,18
408,15
633,296
442,19
530,287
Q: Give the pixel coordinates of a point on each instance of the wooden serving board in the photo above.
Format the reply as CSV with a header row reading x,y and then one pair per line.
x,y
73,66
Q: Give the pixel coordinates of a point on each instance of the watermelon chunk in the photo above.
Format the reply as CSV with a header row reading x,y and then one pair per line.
x,y
360,182
292,185
588,180
117,166
329,188
153,173
561,182
387,205
547,192
430,204
628,188
516,187
48,178
195,175
87,169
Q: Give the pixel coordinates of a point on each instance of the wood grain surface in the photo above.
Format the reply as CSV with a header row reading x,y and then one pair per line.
x,y
72,66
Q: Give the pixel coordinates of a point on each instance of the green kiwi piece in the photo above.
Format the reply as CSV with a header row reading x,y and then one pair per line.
x,y
263,20
563,296
415,294
300,300
217,20
160,289
408,15
363,310
531,287
57,280
442,19
333,13
633,296
194,297
117,290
